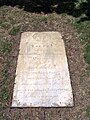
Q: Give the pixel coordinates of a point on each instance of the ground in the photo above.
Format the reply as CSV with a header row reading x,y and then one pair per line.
x,y
14,21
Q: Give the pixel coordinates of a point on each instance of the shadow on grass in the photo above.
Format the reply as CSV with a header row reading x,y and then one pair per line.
x,y
49,6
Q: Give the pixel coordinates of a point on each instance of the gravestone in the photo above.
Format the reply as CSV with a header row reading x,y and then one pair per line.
x,y
42,75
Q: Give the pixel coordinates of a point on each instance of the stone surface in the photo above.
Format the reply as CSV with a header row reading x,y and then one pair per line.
x,y
42,75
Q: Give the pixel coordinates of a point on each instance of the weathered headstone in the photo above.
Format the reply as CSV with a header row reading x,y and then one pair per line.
x,y
42,76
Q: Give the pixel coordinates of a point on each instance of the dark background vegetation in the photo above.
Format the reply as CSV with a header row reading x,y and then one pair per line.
x,y
70,7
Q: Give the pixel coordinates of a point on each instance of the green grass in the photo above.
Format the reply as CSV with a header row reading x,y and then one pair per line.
x,y
5,72
4,94
36,21
15,30
5,45
83,28
1,117
4,25
43,19
88,91
88,112
5,48
87,53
